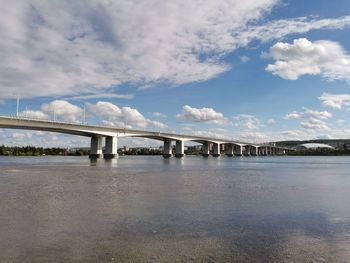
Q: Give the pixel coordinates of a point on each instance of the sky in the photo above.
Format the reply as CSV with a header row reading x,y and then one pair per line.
x,y
253,70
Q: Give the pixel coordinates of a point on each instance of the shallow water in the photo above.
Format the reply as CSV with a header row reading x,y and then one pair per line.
x,y
150,209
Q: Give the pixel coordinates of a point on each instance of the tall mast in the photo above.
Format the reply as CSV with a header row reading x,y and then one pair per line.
x,y
84,115
17,108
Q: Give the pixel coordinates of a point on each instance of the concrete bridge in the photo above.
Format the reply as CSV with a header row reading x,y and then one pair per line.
x,y
111,134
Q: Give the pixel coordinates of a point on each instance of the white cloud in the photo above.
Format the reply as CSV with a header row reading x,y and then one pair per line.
x,y
314,124
122,116
35,114
102,96
340,122
248,122
118,116
244,59
158,124
158,114
323,57
316,114
293,115
335,101
206,115
43,139
211,133
312,120
80,47
63,110
279,28
307,113
271,122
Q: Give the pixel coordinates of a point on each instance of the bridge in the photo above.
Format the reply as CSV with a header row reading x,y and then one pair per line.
x,y
212,146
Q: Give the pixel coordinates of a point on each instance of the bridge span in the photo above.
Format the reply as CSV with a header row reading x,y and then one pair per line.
x,y
111,135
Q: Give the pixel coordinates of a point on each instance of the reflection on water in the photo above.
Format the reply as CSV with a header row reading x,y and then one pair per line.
x,y
150,209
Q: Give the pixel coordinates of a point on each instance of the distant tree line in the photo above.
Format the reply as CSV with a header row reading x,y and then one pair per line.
x,y
141,151
37,151
320,152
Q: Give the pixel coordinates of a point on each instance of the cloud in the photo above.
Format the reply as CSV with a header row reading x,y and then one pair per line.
x,y
335,101
121,116
60,109
158,114
34,114
314,124
158,124
211,133
307,113
279,28
118,116
244,59
205,115
293,115
78,48
340,122
43,139
271,122
102,96
312,120
248,122
63,110
303,57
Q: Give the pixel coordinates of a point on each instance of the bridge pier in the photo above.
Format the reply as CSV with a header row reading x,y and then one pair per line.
x,y
111,147
246,151
265,151
206,149
216,149
95,148
254,150
239,150
229,150
180,149
167,149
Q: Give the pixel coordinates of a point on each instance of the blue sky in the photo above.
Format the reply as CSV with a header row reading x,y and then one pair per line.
x,y
254,70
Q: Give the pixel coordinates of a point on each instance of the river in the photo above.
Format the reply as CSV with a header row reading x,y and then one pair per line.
x,y
194,209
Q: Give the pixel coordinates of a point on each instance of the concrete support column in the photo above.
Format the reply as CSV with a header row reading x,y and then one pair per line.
x,y
206,149
239,150
229,150
216,149
180,149
167,149
96,147
111,147
246,150
254,150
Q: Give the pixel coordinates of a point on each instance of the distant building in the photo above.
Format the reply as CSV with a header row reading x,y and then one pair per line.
x,y
306,146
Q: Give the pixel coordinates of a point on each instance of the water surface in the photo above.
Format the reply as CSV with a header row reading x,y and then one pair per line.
x,y
150,209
